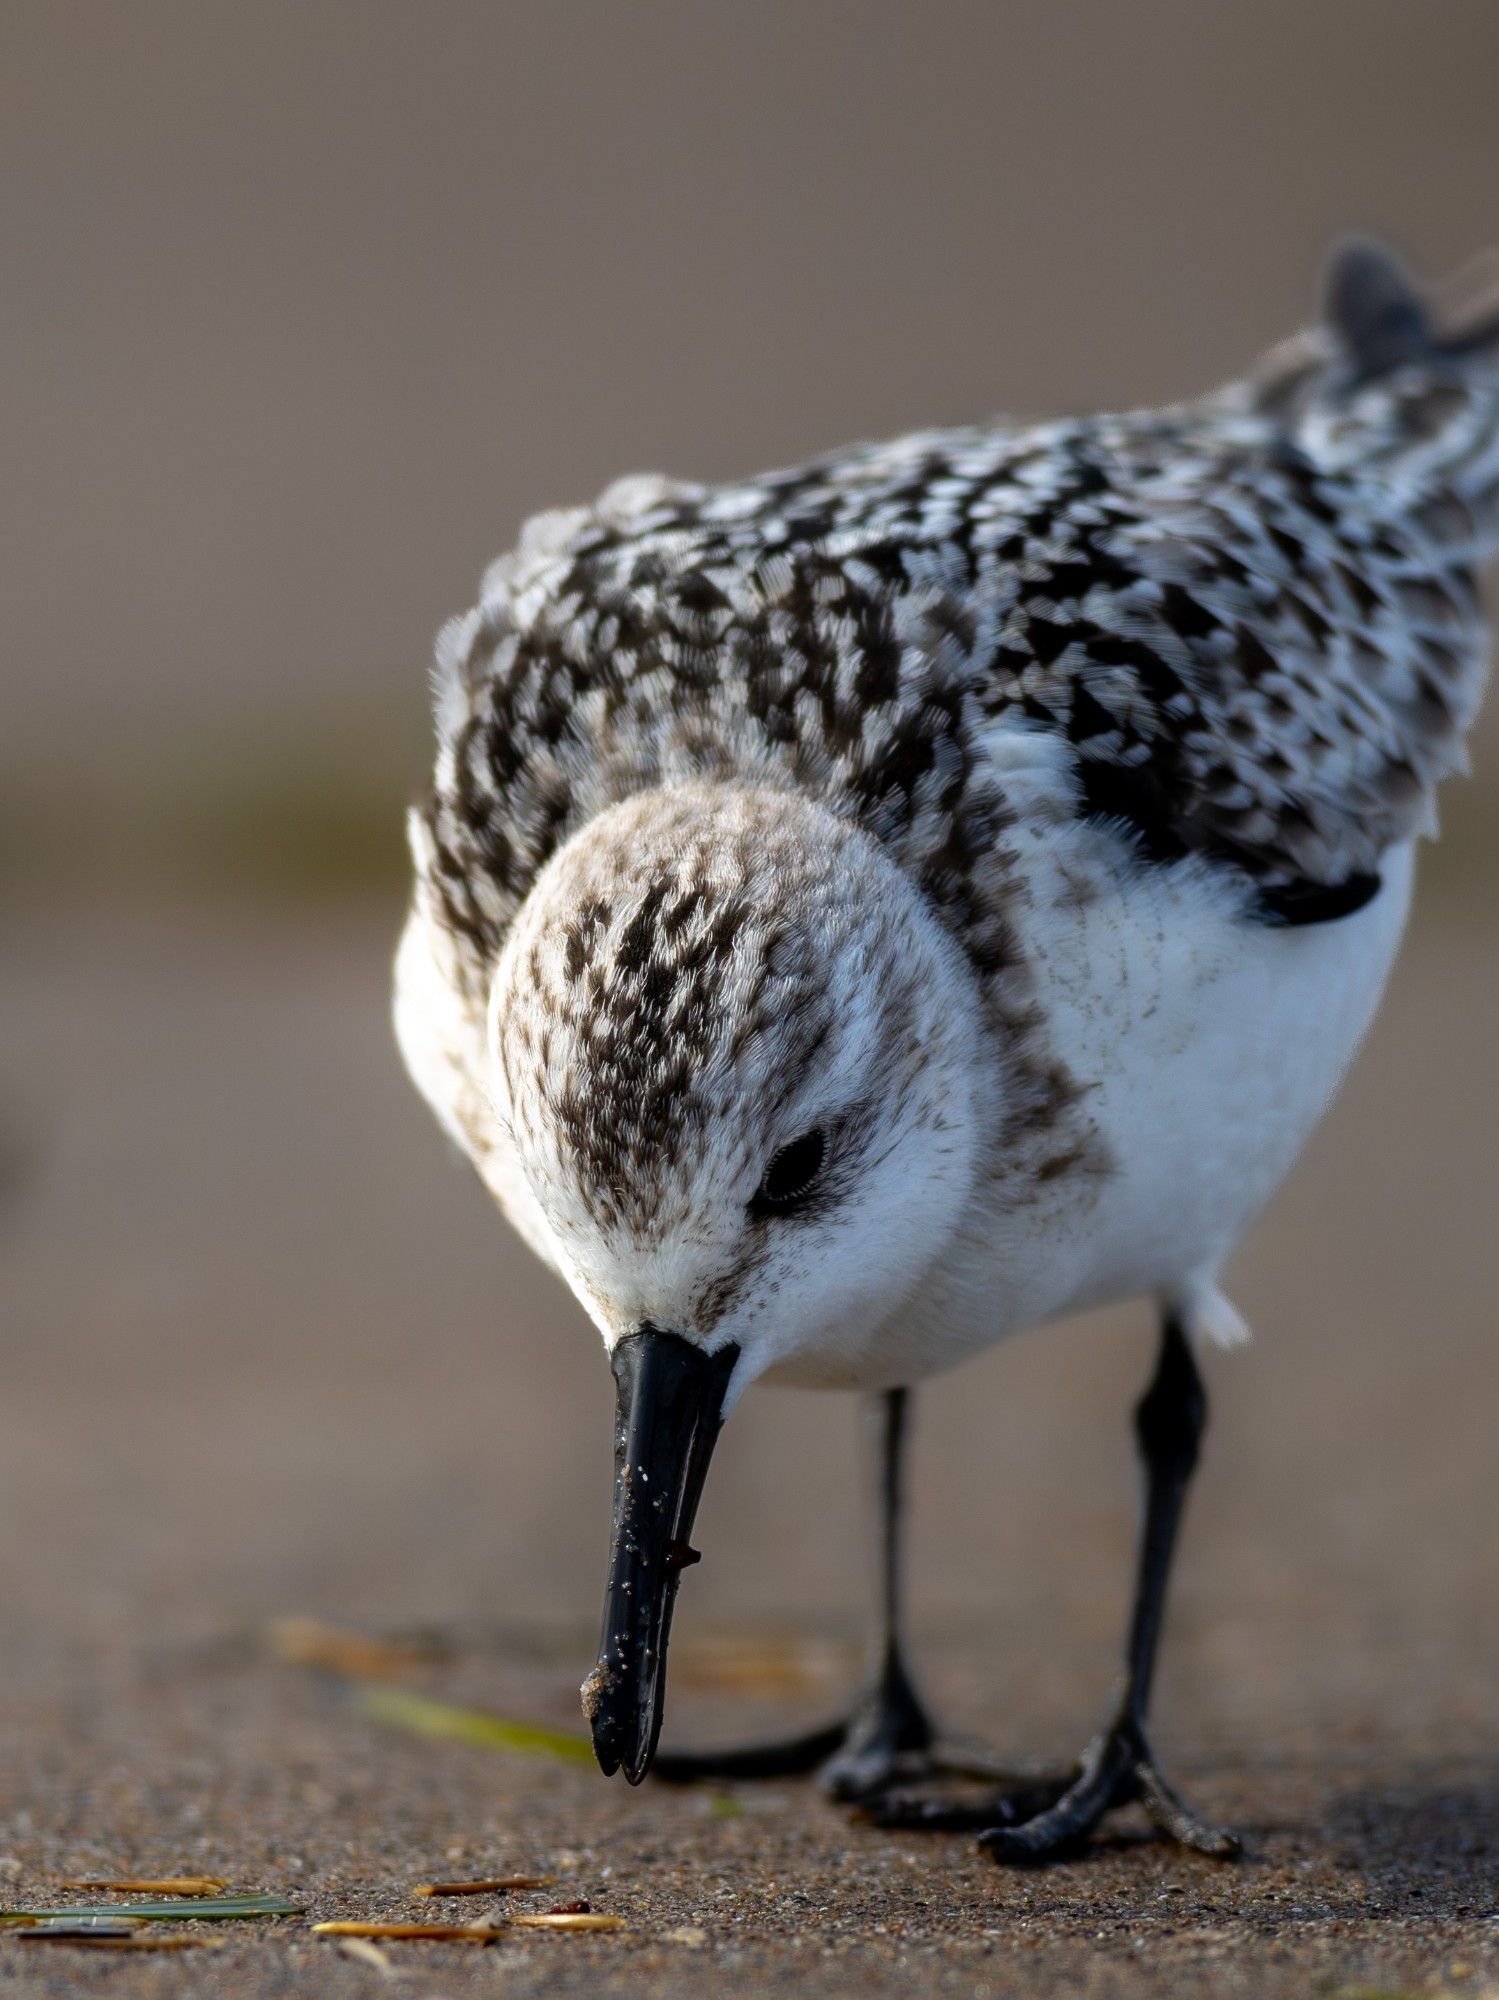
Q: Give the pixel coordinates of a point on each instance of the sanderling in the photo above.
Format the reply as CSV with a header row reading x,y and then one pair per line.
x,y
870,909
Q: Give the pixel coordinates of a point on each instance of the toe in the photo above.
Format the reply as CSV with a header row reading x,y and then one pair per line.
x,y
1177,1819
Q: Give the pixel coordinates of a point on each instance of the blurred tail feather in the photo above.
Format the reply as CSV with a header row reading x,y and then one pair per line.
x,y
1374,310
1382,320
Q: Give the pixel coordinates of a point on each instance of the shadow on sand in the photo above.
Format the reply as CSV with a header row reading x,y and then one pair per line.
x,y
1424,1848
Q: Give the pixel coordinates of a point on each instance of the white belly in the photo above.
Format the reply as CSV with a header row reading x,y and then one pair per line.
x,y
1214,1047
1208,1048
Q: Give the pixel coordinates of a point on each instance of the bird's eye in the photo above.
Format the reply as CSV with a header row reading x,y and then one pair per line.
x,y
791,1176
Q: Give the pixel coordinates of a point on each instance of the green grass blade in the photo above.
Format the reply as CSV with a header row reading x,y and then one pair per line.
x,y
424,1717
216,1909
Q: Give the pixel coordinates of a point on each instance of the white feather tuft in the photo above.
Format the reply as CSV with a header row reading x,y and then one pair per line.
x,y
1208,1314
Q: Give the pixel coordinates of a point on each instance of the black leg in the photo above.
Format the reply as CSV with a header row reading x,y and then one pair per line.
x,y
888,1736
889,1722
1118,1768
889,1726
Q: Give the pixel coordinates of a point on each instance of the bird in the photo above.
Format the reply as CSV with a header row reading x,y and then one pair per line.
x,y
867,910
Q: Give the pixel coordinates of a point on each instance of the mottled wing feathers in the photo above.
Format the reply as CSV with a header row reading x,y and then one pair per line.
x,y
1265,657
1246,629
1308,566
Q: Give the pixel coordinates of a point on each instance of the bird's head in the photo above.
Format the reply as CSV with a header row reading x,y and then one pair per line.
x,y
733,1049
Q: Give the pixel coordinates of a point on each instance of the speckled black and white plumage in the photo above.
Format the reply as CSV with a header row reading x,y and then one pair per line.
x,y
868,910
1253,622
1234,644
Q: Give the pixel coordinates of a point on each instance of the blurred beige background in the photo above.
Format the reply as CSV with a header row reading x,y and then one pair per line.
x,y
305,307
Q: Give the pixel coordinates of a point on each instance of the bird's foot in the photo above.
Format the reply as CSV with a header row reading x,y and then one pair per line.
x,y
1045,1818
885,1749
853,1763
887,1740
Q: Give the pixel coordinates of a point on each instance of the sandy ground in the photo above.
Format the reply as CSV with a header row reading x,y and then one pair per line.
x,y
267,1352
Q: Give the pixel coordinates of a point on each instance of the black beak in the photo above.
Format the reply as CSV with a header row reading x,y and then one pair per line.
x,y
667,1423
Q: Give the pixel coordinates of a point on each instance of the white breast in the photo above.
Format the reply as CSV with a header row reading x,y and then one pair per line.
x,y
1213,1047
1207,1046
